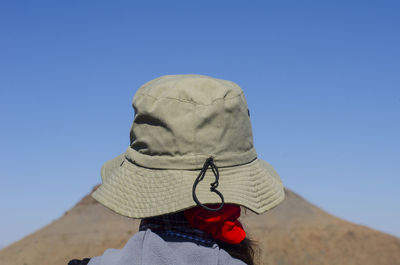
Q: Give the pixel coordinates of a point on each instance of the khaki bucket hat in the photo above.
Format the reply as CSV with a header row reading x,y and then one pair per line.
x,y
189,132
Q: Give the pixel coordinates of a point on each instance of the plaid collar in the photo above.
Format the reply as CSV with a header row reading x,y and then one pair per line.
x,y
175,226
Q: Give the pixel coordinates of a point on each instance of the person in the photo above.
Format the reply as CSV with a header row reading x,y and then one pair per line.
x,y
190,167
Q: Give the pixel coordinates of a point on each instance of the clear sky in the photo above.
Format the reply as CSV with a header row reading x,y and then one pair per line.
x,y
322,80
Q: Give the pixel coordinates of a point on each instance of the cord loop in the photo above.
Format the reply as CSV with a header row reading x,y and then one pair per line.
x,y
213,186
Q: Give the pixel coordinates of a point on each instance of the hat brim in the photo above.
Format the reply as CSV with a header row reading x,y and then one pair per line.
x,y
138,192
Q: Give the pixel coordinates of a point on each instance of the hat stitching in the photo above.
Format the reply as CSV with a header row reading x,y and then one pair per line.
x,y
239,194
123,185
273,199
187,101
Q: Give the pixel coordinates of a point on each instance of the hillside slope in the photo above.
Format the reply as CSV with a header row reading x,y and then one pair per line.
x,y
296,232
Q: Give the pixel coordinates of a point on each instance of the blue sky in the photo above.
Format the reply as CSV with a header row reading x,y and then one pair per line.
x,y
322,80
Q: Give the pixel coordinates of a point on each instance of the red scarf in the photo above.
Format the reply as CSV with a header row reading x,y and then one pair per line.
x,y
221,225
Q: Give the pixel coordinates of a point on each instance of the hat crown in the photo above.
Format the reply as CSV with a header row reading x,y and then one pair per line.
x,y
181,120
196,89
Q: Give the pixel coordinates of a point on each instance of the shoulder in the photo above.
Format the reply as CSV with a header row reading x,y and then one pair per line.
x,y
79,262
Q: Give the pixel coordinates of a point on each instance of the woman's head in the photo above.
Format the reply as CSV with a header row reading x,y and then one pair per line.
x,y
180,123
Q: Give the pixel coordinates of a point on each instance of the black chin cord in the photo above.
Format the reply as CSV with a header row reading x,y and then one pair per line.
x,y
209,163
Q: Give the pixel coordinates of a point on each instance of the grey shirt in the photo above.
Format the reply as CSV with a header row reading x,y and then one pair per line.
x,y
148,248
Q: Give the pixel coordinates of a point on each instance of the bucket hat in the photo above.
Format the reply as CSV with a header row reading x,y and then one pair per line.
x,y
191,144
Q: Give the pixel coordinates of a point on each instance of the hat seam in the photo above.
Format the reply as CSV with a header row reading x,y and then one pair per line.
x,y
188,101
195,157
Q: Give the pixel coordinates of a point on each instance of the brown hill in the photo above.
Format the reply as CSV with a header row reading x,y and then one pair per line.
x,y
296,232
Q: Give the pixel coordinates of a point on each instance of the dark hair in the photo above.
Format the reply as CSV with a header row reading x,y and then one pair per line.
x,y
247,250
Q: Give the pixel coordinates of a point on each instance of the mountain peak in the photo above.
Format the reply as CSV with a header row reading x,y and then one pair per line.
x,y
295,232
